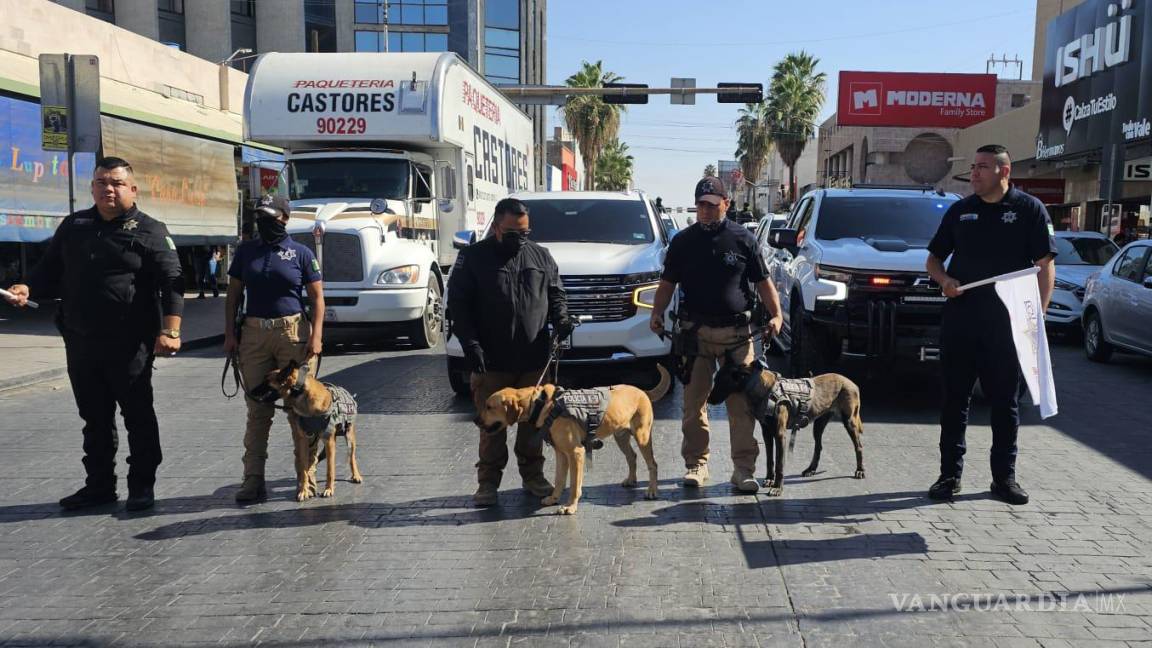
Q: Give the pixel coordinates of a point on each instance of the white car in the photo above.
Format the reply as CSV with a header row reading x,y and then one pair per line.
x,y
1079,255
1118,304
610,249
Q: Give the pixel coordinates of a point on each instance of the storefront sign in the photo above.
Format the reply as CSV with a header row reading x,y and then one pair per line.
x,y
1138,170
187,182
915,99
1094,90
34,182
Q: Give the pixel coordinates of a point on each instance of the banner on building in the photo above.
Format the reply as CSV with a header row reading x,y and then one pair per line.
x,y
1097,78
34,182
912,99
187,182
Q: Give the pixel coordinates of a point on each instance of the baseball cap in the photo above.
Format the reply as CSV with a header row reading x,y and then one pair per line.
x,y
710,189
270,205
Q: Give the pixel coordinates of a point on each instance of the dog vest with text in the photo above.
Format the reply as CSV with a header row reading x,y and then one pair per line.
x,y
585,406
340,414
793,393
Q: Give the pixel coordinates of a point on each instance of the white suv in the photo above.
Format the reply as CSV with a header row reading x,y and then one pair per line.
x,y
850,268
610,249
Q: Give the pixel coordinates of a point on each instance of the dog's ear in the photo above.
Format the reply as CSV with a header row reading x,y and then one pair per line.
x,y
285,374
512,409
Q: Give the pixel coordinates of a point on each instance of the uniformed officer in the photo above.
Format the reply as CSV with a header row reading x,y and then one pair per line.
x,y
502,294
717,264
998,229
272,272
121,288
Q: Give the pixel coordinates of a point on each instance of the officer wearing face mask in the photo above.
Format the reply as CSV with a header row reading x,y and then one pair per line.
x,y
502,294
272,273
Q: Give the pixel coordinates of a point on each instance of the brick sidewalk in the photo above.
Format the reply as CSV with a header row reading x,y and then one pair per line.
x,y
403,560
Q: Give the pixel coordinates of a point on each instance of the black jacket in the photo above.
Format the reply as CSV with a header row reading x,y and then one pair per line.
x,y
504,303
113,277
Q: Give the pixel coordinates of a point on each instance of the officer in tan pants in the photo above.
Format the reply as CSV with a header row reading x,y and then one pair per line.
x,y
273,272
717,264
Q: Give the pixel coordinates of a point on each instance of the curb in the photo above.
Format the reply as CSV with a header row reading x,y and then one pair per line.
x,y
26,380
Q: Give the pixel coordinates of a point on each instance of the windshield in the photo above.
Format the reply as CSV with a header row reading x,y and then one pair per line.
x,y
912,220
1084,250
624,222
349,178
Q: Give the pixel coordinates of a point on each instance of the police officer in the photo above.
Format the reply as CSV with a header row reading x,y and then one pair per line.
x,y
998,229
121,288
273,272
502,294
715,261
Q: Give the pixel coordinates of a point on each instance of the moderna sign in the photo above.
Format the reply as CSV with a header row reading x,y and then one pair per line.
x,y
915,99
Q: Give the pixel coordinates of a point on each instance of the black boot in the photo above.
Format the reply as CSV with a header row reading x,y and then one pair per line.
x,y
1009,491
140,499
944,488
87,498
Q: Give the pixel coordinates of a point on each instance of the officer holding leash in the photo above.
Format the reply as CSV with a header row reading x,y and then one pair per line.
x,y
502,294
273,272
122,294
715,261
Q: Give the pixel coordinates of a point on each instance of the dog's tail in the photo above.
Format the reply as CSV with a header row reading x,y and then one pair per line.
x,y
661,388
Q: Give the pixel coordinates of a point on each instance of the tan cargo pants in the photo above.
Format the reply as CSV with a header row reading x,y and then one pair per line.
x,y
529,447
712,343
265,345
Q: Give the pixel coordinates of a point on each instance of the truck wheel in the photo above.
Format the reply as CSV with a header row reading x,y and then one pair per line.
x,y
1095,345
459,377
806,356
425,332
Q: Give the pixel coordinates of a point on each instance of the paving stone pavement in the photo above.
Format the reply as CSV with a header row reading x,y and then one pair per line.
x,y
403,560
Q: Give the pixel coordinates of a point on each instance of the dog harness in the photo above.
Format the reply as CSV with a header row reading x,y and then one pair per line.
x,y
340,414
795,394
586,406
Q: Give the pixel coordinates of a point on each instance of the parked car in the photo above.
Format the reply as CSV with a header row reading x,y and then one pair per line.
x,y
1079,255
850,269
609,247
1118,304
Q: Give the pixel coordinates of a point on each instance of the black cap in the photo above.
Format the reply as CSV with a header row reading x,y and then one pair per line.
x,y
710,189
276,206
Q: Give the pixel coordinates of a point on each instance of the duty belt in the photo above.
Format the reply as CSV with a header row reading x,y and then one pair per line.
x,y
736,319
272,323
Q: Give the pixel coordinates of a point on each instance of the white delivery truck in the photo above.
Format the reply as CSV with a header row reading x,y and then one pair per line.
x,y
388,156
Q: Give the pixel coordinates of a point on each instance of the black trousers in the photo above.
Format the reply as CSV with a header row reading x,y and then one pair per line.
x,y
976,342
106,373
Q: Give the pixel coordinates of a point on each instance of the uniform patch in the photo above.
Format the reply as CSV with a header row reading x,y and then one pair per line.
x,y
969,217
168,240
731,258
1051,230
315,265
286,255
1009,217
130,224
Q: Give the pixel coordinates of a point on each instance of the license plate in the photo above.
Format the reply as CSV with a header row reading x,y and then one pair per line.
x,y
329,314
923,299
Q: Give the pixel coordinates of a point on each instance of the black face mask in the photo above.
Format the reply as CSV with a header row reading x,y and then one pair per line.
x,y
271,229
512,241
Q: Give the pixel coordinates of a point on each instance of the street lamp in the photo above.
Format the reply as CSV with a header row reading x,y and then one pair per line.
x,y
238,55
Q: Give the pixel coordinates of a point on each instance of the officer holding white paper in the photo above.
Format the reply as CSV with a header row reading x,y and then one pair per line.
x,y
997,230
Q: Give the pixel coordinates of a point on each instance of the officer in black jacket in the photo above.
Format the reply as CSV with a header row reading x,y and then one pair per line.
x,y
121,287
502,294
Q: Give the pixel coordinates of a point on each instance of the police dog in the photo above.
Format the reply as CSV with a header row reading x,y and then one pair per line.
x,y
629,411
831,393
312,402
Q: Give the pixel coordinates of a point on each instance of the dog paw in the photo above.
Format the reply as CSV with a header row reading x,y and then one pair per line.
x,y
328,492
859,474
630,482
775,491
650,494
550,500
356,479
566,510
303,495
808,473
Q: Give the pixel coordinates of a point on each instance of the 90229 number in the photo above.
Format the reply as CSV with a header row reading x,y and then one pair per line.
x,y
342,125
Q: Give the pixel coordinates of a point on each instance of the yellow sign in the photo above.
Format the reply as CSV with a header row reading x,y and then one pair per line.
x,y
54,129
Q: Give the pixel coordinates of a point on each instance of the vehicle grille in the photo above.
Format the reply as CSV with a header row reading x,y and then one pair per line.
x,y
343,255
605,298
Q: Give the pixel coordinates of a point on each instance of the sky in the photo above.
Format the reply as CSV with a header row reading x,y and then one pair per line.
x,y
651,41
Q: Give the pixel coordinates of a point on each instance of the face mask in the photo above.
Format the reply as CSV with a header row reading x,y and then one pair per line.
x,y
271,229
713,226
511,242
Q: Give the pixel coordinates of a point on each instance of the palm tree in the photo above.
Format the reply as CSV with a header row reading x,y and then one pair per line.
x,y
753,142
591,121
710,171
614,167
795,96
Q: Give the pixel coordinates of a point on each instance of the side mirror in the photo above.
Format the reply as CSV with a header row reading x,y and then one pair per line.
x,y
379,206
783,238
1148,281
461,240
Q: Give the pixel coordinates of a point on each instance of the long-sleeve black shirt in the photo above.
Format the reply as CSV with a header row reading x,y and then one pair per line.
x,y
113,277
504,302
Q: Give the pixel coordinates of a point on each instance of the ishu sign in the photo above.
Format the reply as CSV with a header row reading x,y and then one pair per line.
x,y
915,99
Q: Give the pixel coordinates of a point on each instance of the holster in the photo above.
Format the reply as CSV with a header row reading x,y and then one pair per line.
x,y
685,348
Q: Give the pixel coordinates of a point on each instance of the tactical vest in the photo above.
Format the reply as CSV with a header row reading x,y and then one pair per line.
x,y
340,414
792,393
585,406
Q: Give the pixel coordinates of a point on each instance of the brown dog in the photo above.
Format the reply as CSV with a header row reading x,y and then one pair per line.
x,y
324,412
628,411
830,393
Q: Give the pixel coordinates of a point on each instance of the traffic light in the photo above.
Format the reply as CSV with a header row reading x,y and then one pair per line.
x,y
756,96
628,98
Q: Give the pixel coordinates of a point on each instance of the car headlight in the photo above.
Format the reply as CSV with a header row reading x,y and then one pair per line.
x,y
833,274
399,276
1067,285
645,296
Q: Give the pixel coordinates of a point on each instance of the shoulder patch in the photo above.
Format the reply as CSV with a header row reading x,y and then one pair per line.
x,y
171,244
1051,230
315,265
